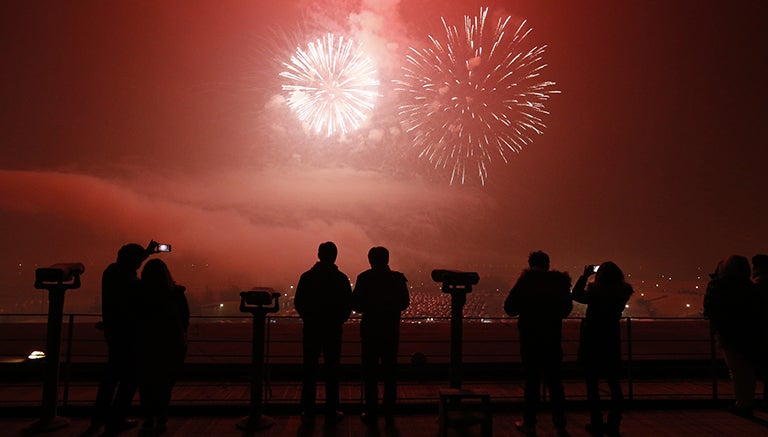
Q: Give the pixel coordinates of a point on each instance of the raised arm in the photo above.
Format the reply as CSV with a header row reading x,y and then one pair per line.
x,y
579,293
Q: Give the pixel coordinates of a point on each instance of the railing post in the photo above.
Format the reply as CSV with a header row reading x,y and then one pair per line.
x,y
68,359
713,360
630,387
267,380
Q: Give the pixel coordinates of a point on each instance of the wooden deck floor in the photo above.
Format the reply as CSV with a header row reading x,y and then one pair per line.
x,y
660,408
284,393
636,423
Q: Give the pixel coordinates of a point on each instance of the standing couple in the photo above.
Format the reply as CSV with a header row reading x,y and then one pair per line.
x,y
324,300
145,322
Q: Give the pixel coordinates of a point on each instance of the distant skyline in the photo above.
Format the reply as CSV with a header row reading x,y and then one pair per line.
x,y
130,121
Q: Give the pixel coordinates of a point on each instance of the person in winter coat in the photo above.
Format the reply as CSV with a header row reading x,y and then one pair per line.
x,y
541,298
120,287
600,340
380,294
733,308
162,342
323,300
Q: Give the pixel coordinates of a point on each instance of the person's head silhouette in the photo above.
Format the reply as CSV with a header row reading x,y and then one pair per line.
x,y
156,273
131,255
327,252
609,273
735,267
378,257
538,260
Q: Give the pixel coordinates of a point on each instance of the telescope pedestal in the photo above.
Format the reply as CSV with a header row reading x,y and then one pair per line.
x,y
457,284
49,421
458,299
256,420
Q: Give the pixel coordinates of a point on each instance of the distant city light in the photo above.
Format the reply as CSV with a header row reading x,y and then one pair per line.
x,y
221,305
36,355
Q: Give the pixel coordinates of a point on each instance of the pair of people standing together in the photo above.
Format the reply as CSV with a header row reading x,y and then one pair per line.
x,y
542,298
324,299
145,321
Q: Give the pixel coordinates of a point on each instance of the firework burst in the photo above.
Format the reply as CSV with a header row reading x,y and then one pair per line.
x,y
332,86
474,96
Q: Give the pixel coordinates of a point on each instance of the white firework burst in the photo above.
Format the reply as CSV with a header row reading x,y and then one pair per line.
x,y
474,95
331,85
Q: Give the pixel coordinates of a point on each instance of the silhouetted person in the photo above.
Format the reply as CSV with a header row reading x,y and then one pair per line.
x,y
323,300
732,306
380,295
760,279
119,292
600,341
162,342
541,299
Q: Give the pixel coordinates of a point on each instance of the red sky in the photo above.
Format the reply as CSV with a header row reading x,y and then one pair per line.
x,y
125,121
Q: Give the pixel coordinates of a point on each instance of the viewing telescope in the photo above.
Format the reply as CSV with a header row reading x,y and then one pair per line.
x,y
457,284
455,278
257,302
59,274
57,279
257,299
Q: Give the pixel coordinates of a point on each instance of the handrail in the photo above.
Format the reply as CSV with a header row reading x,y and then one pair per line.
x,y
75,340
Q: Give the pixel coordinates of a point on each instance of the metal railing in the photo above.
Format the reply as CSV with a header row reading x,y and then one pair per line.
x,y
663,343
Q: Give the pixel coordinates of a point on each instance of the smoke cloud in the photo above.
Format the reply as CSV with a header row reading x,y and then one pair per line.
x,y
249,228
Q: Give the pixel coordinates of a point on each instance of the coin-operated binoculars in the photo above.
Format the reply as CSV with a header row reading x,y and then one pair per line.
x,y
258,302
57,279
457,284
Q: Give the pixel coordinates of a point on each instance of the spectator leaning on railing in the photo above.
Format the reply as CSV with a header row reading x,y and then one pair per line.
x,y
733,308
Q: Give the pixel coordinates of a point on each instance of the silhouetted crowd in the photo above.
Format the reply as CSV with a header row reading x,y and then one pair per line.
x,y
145,322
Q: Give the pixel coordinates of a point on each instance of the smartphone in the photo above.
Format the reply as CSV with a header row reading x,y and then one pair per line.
x,y
595,268
163,247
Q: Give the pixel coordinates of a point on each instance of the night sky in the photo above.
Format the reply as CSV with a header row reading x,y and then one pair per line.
x,y
130,121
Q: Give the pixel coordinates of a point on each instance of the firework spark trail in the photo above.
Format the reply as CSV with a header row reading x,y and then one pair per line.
x,y
332,86
474,96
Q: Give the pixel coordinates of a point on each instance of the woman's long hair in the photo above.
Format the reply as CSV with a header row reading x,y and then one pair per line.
x,y
156,275
610,275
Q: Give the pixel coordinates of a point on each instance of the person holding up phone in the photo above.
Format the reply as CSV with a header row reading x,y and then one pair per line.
x,y
600,340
